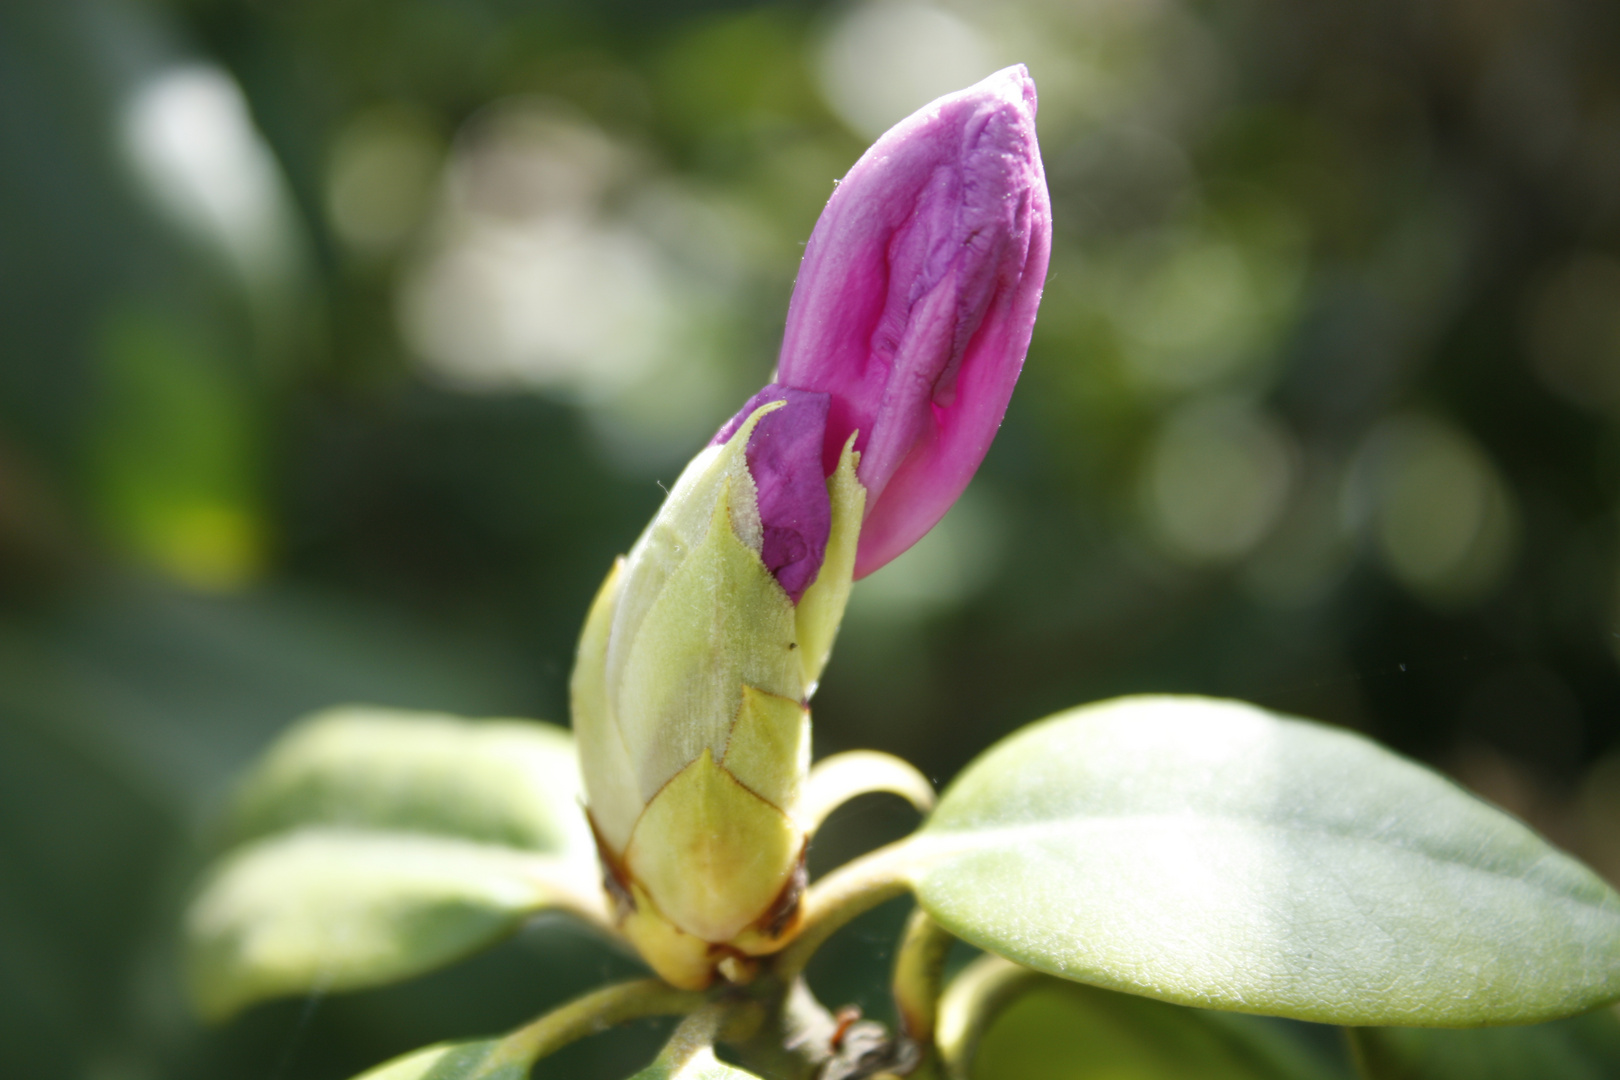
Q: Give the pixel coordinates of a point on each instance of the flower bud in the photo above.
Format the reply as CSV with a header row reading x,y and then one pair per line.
x,y
905,335
689,690
916,300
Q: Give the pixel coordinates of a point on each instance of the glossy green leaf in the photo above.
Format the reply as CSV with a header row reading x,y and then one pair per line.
x,y
1209,853
513,782
1063,1031
1580,1048
334,909
474,1060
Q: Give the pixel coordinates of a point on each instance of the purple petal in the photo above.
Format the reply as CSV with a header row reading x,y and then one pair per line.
x,y
784,458
916,300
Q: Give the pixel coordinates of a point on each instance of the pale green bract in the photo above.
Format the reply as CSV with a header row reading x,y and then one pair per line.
x,y
1210,853
690,700
384,844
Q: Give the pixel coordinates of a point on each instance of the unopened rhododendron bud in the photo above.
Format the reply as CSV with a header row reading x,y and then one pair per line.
x,y
689,693
906,332
916,300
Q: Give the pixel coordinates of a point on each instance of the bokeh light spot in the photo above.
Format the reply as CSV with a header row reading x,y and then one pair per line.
x,y
1216,479
952,562
381,180
882,61
191,142
1443,519
1207,309
1572,328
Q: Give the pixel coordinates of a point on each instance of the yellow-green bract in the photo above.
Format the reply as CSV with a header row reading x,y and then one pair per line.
x,y
690,696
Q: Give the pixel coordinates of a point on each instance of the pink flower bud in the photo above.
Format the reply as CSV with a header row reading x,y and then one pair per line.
x,y
913,311
916,300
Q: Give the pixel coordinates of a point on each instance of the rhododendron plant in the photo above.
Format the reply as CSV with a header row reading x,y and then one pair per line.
x,y
1157,851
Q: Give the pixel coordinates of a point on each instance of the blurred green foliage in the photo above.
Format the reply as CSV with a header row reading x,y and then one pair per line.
x,y
342,345
1065,1031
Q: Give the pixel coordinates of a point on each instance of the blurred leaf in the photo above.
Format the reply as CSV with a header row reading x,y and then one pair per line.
x,y
1209,853
699,1065
513,782
407,840
80,848
1063,1031
335,909
451,1061
1579,1048
175,454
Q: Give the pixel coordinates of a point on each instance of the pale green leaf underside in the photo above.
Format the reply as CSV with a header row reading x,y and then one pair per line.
x,y
512,782
333,909
1061,1031
1209,853
701,1065
473,1060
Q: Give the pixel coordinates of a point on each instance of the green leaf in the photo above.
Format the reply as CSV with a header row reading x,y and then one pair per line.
x,y
689,1054
1580,1048
335,909
699,1065
1209,853
513,782
382,844
475,1060
1062,1031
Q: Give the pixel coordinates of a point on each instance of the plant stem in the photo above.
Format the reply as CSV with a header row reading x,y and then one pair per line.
x,y
840,778
919,976
696,1035
594,1012
1360,1053
851,890
973,1000
830,904
791,1042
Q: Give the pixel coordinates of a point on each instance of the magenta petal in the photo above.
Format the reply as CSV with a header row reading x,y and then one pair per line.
x,y
916,300
784,458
